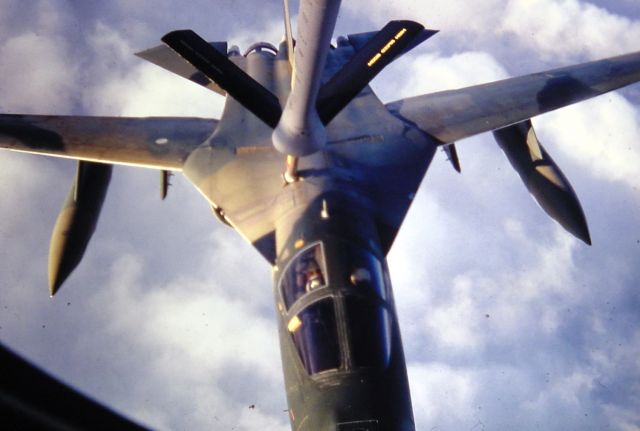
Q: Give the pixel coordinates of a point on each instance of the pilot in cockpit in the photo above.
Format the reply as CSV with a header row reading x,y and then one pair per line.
x,y
308,273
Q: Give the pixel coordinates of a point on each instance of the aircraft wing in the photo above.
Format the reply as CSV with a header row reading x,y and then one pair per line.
x,y
32,399
155,142
456,114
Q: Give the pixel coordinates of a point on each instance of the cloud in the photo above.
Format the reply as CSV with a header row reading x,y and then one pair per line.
x,y
568,29
170,317
192,327
608,150
440,390
126,85
454,17
270,30
432,72
523,33
46,89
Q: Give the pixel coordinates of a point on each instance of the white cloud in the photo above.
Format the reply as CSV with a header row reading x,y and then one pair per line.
x,y
550,30
439,392
451,16
192,323
428,73
43,85
128,86
147,90
622,419
14,187
569,28
601,135
194,328
444,321
478,310
271,30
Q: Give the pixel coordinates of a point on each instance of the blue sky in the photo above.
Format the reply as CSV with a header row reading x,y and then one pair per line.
x,y
170,317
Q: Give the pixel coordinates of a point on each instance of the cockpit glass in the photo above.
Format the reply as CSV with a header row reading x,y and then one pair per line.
x,y
367,273
315,335
304,274
370,332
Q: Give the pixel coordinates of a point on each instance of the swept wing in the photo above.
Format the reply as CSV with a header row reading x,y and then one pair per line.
x,y
155,142
456,114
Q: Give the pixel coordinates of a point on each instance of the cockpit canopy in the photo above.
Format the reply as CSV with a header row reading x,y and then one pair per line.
x,y
355,309
305,273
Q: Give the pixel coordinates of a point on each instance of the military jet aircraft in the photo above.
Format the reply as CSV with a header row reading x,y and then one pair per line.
x,y
314,171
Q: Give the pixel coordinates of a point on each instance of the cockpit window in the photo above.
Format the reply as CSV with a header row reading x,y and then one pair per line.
x,y
315,335
367,273
370,332
304,274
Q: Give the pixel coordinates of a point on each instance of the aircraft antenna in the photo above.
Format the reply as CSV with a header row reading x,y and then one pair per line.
x,y
291,172
288,34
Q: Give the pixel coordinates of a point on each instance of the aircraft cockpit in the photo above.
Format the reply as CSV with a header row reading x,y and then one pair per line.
x,y
338,313
305,273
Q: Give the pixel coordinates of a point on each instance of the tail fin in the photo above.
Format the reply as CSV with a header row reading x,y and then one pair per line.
x,y
375,54
217,67
168,59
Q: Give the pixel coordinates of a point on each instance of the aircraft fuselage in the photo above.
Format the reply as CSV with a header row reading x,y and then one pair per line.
x,y
341,349
326,235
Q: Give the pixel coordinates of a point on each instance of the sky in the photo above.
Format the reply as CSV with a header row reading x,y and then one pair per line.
x,y
508,322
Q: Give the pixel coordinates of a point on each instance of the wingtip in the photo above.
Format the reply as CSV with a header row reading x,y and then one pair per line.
x,y
587,239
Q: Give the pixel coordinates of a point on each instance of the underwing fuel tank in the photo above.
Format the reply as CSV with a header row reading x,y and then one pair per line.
x,y
543,178
77,221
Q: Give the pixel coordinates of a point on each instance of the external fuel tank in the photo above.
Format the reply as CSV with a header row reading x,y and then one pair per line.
x,y
543,178
77,220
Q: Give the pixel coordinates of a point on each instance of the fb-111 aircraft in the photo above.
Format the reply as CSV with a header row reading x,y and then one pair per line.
x,y
314,171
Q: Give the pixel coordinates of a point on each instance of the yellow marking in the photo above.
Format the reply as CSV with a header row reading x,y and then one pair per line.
x,y
400,33
551,174
290,174
534,146
293,74
280,307
298,244
252,149
294,324
374,59
387,46
292,165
